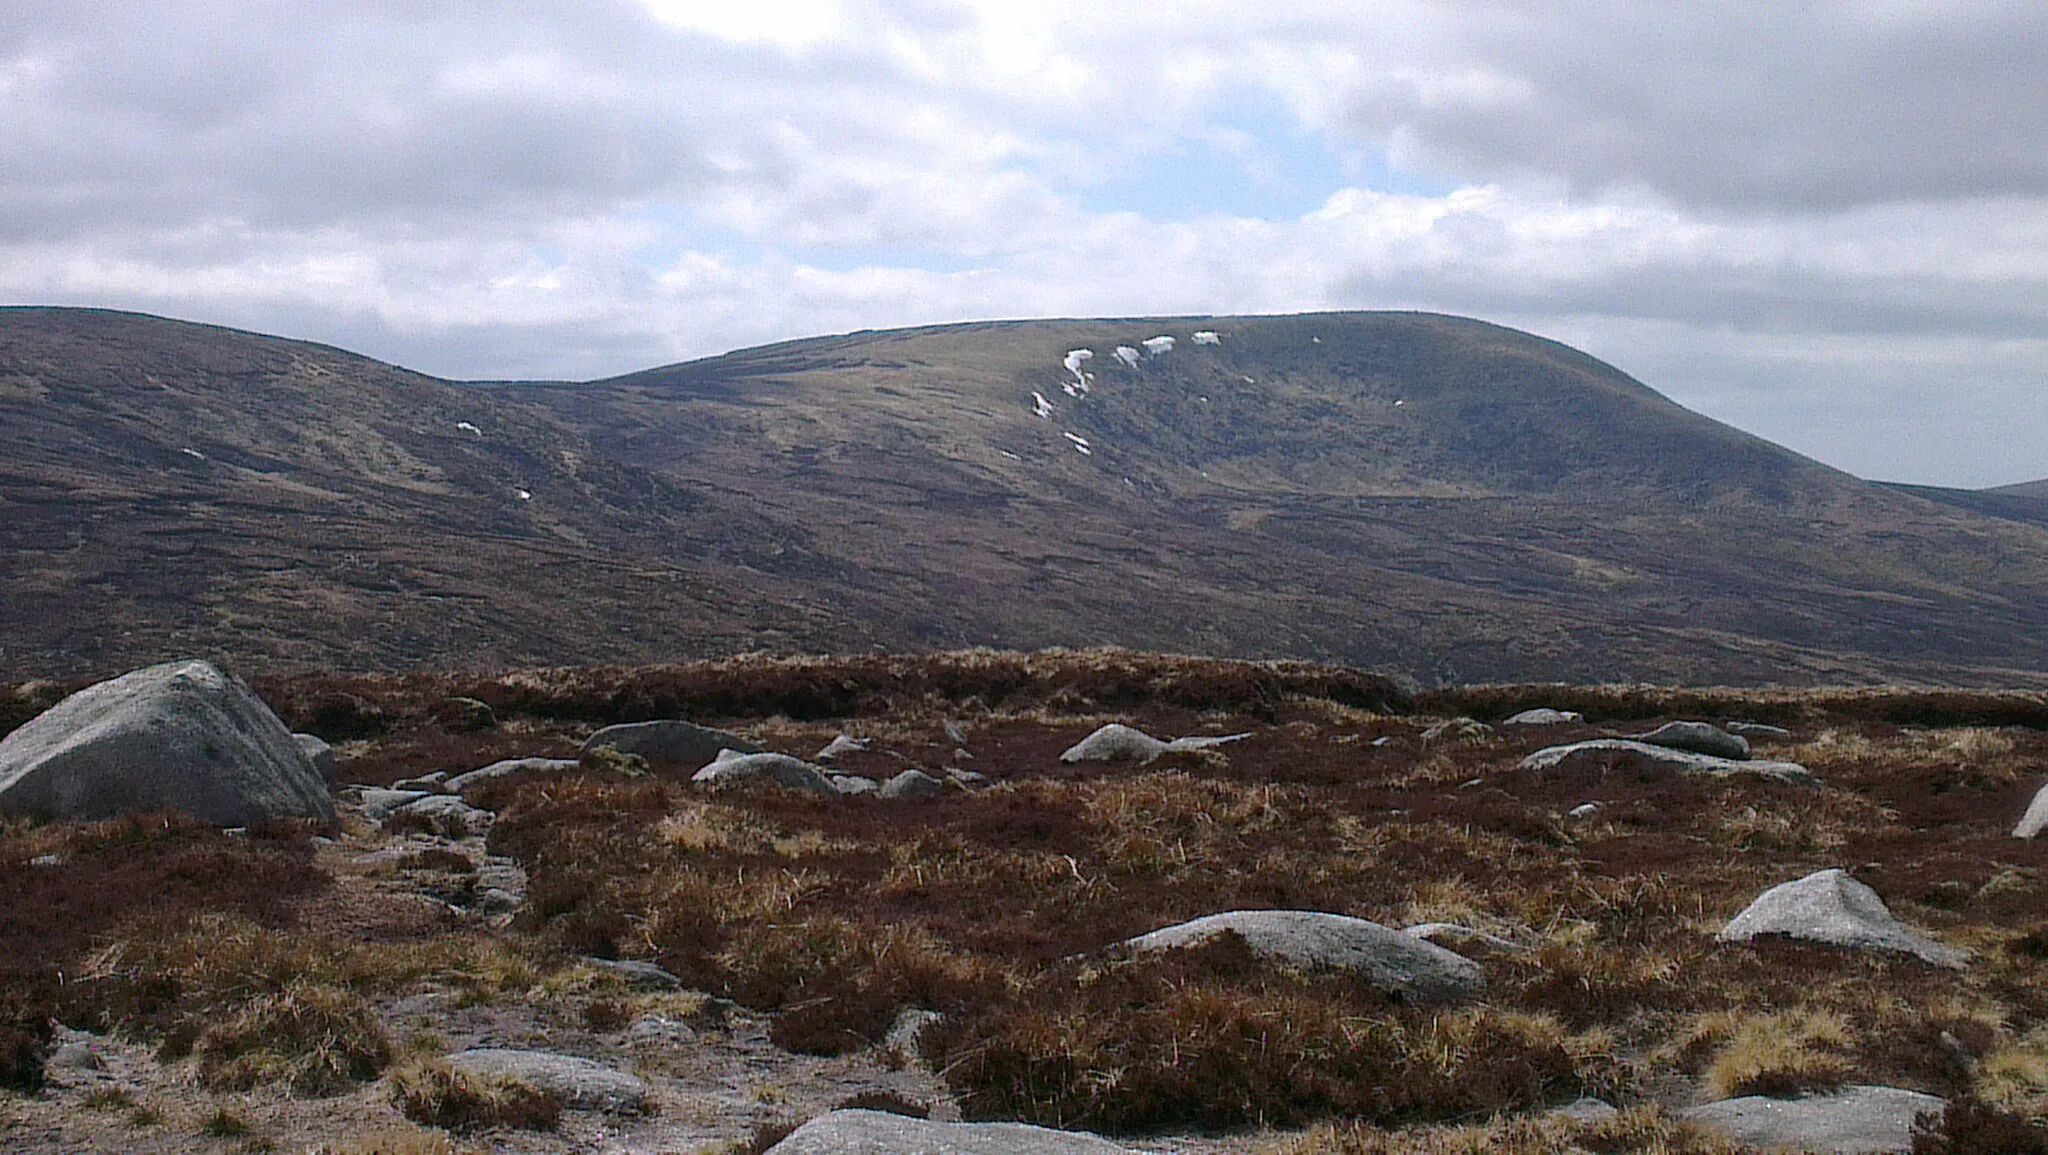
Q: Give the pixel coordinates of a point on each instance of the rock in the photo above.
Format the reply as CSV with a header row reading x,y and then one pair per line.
x,y
672,740
840,745
2036,817
463,783
1586,1109
855,1132
1829,907
1855,1119
912,784
1582,811
1391,961
1456,729
1205,741
578,1083
655,1031
639,974
379,803
47,860
1699,738
734,769
1115,742
76,1055
1544,716
1605,752
968,778
464,715
1758,732
1464,940
444,814
906,1031
180,736
855,784
321,755
434,783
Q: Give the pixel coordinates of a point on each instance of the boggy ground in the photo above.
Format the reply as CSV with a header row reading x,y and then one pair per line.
x,y
277,991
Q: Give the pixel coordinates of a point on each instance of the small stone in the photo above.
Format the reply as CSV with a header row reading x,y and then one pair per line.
x,y
1699,738
47,860
2036,818
639,974
1586,1109
1759,732
912,784
733,769
1115,742
851,784
904,1033
76,1056
444,814
655,1031
842,744
578,1083
1391,961
434,783
378,804
1583,811
1544,716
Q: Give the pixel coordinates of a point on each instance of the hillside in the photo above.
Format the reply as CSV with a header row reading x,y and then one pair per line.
x,y
1431,495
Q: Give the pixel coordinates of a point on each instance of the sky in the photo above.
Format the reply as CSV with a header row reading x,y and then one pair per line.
x,y
1824,222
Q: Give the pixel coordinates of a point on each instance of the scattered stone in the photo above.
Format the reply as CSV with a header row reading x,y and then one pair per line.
x,y
463,783
856,1132
912,784
180,736
905,1033
578,1083
670,740
1855,1119
2036,818
1830,907
638,973
1115,742
434,783
954,731
321,755
655,1031
1456,729
1759,732
840,745
1544,716
1585,1109
379,803
47,860
967,778
444,814
732,769
76,1055
1468,941
1699,738
463,715
1391,961
1583,811
851,784
1604,752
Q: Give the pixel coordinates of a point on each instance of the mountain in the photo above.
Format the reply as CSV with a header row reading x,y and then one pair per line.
x,y
1421,493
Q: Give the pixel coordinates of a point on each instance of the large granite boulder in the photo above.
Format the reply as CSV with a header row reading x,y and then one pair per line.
x,y
1700,738
732,769
669,740
1852,1120
1609,752
1398,964
1117,742
321,755
1829,907
182,736
579,1083
855,1132
2036,818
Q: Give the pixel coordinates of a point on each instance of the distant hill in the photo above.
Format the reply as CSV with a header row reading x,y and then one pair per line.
x,y
1421,493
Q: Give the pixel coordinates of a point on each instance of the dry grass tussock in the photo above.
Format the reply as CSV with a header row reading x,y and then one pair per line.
x,y
1644,1129
431,1092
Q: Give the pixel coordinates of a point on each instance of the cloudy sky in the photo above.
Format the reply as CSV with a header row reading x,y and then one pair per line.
x,y
1824,222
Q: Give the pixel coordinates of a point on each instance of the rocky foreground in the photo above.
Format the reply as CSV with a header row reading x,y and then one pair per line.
x,y
1208,908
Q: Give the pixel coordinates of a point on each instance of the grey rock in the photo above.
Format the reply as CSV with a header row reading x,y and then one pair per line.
x,y
968,778
1618,751
47,860
180,736
912,784
1699,738
638,973
378,803
842,744
1852,1120
1829,907
434,783
321,755
1544,716
462,783
1468,941
1205,741
1586,1109
1115,742
655,1031
578,1083
444,814
2036,818
856,1132
733,769
670,740
1583,811
1391,961
494,900
464,715
1456,729
1759,732
855,784
76,1056
906,1031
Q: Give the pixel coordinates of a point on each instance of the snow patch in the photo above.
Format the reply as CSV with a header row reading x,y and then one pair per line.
x,y
1040,405
1158,346
1207,337
1128,355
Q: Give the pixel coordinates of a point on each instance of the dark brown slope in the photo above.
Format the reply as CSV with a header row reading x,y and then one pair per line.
x,y
1423,493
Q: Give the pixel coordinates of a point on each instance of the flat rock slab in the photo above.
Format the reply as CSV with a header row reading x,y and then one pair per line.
x,y
379,803
669,740
579,1083
735,770
1544,716
1398,964
446,815
1621,751
508,767
1760,732
1700,738
2036,818
1853,1120
638,974
181,736
1829,907
880,1133
1117,742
